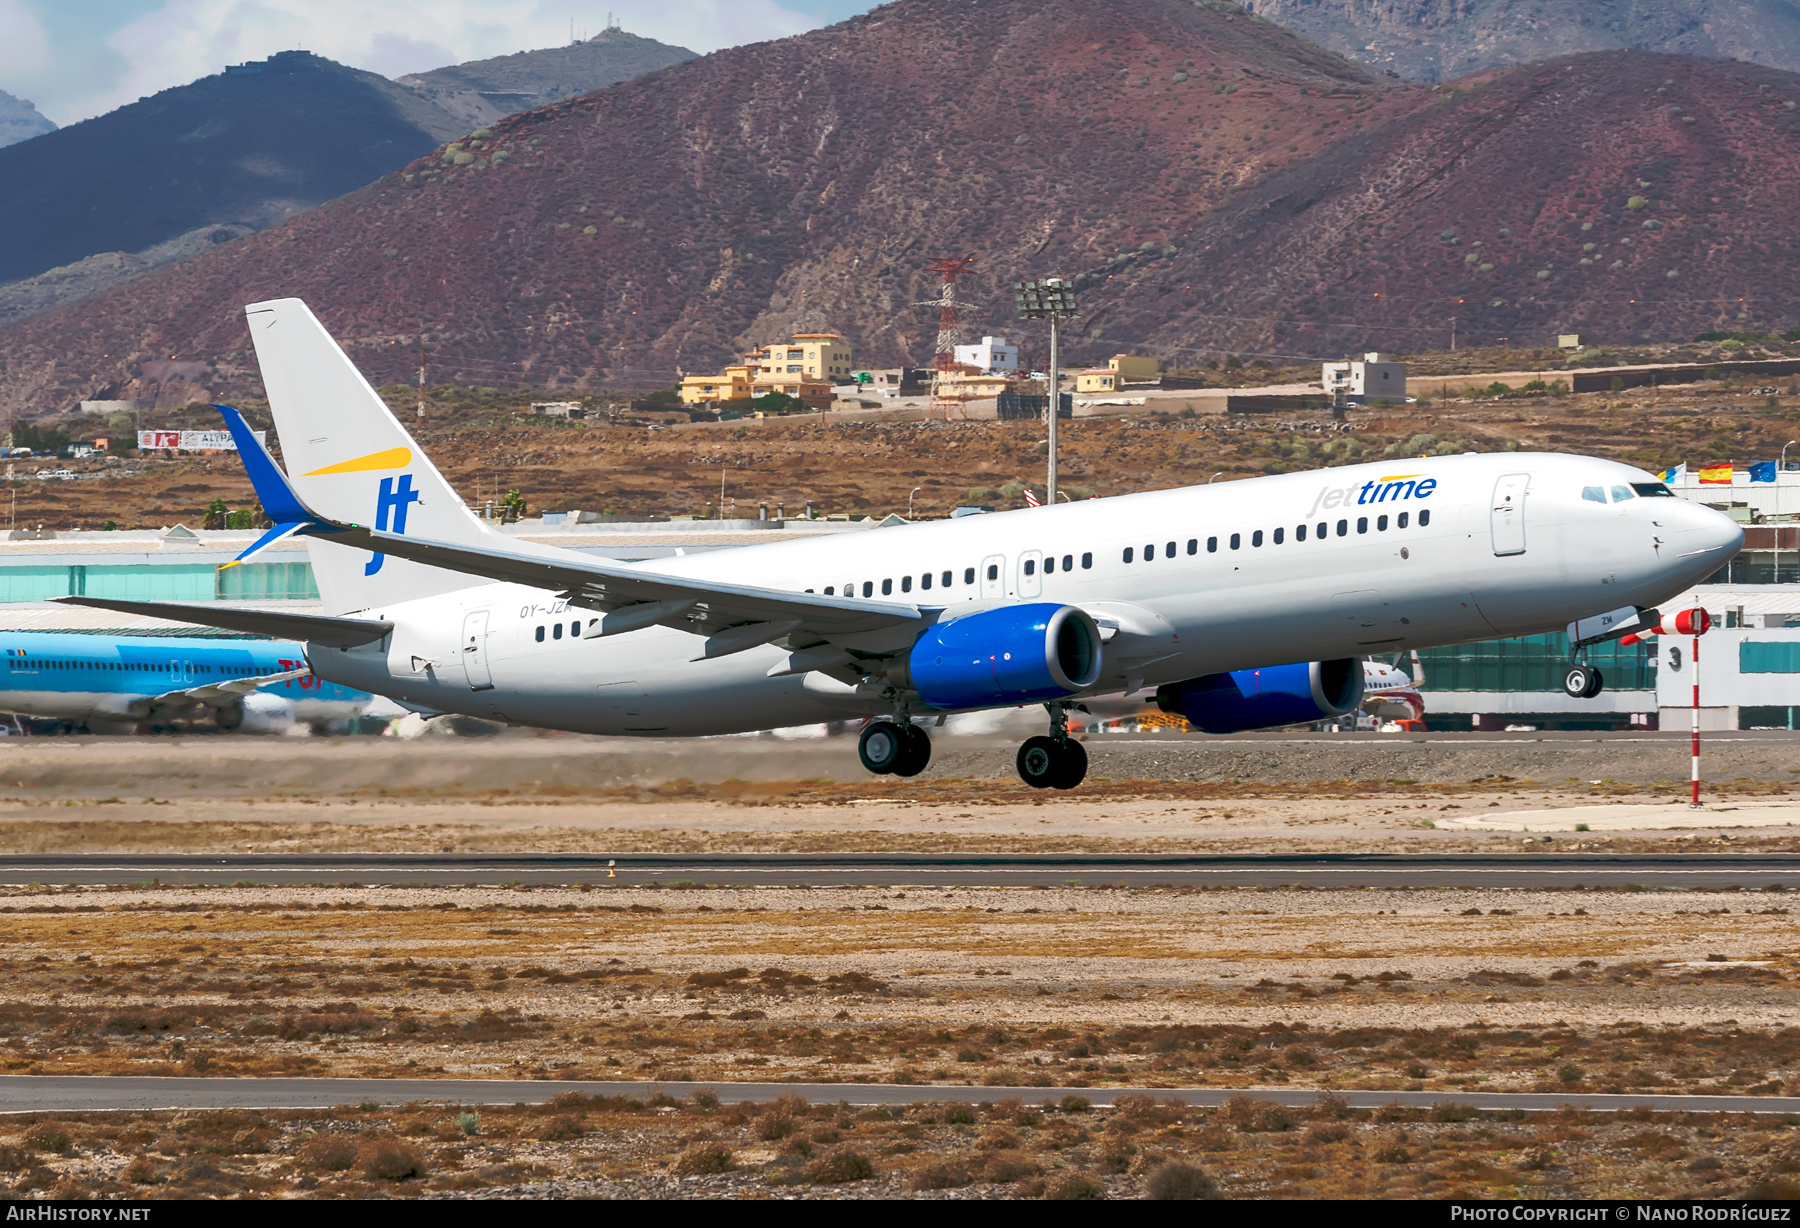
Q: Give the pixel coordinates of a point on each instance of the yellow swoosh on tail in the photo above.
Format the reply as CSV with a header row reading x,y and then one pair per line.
x,y
393,458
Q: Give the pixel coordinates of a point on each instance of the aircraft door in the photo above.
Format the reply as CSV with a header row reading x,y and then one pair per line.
x,y
1031,577
993,576
474,651
1508,518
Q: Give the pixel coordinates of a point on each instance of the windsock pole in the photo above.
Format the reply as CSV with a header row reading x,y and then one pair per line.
x,y
1695,658
1694,623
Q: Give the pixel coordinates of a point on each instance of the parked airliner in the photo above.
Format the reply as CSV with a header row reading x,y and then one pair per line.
x,y
1196,595
109,683
1392,694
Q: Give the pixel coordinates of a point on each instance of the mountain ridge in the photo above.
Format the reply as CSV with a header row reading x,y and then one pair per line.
x,y
479,92
20,120
1214,183
1437,40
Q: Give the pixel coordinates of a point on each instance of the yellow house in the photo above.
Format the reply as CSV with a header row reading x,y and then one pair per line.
x,y
816,392
823,356
805,367
734,385
1120,370
968,384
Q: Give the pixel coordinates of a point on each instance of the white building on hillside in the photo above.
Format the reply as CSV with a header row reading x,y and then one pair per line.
x,y
993,354
1372,377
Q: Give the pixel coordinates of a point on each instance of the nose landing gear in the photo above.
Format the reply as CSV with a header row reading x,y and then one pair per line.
x,y
1054,762
893,749
1582,681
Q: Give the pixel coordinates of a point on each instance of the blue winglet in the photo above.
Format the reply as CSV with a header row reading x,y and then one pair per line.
x,y
269,539
279,501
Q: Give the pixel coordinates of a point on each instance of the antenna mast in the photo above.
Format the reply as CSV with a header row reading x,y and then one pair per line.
x,y
944,362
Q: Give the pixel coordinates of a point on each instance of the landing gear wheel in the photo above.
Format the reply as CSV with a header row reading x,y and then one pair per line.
x,y
915,751
1071,766
1596,686
1581,681
881,747
1039,762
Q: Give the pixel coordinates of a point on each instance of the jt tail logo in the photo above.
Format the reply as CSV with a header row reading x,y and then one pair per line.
x,y
390,505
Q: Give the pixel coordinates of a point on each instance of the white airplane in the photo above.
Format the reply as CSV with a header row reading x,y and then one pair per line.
x,y
1390,693
1193,594
115,684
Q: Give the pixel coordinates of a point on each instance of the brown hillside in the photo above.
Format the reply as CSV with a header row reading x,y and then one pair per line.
x,y
1213,181
1619,195
1431,40
873,467
662,223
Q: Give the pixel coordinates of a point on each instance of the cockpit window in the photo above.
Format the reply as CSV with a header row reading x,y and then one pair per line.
x,y
1621,493
1653,490
1594,494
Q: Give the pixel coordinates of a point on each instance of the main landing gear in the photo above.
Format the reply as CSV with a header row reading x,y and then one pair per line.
x,y
1582,681
1054,762
887,748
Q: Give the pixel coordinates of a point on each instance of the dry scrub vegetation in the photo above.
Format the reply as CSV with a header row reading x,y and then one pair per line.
x,y
1055,1147
998,988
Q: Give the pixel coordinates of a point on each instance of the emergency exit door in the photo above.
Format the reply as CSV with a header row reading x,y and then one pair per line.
x,y
474,651
993,576
1508,517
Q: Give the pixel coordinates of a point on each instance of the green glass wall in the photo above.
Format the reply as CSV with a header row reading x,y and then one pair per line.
x,y
162,582
1768,657
1531,663
267,582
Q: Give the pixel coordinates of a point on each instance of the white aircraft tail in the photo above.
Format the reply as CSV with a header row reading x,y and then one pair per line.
x,y
350,459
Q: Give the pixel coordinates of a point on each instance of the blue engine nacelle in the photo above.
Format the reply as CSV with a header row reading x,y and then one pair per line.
x,y
1266,698
1010,655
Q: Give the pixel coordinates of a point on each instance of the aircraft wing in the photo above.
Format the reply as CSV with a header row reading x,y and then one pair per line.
x,y
619,590
277,624
734,617
212,695
217,694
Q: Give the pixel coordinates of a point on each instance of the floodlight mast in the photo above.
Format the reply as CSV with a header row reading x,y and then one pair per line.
x,y
1049,298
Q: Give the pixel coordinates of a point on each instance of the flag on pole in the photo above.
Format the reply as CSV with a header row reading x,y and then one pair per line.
x,y
1762,471
1716,475
1031,500
1675,474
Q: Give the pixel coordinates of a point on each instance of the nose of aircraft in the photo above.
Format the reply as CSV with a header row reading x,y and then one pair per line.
x,y
1703,535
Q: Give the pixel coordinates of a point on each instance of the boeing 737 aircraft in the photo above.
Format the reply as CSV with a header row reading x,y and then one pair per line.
x,y
109,684
1195,594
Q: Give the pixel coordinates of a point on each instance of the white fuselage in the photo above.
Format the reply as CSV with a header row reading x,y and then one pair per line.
x,y
1510,547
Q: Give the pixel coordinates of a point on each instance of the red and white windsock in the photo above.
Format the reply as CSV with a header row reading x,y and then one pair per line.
x,y
1683,622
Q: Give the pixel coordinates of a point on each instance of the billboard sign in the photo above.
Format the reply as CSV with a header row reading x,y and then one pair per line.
x,y
192,441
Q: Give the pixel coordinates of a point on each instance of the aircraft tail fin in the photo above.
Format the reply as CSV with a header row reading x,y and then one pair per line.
x,y
349,460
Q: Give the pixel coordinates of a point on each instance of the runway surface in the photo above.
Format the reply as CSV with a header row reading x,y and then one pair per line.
x,y
83,1093
1528,869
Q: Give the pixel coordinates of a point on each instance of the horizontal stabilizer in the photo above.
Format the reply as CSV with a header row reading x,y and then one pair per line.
x,y
277,624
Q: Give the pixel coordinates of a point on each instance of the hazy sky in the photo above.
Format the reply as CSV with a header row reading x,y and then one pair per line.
x,y
79,58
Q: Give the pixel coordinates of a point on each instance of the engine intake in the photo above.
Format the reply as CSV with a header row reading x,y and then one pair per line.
x,y
1013,654
1266,698
257,712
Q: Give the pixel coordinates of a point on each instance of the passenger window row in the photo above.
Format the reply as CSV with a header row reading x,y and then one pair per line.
x,y
1278,536
556,631
1068,564
947,579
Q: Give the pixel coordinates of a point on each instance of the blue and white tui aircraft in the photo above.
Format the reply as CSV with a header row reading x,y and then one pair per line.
x,y
111,683
1199,594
